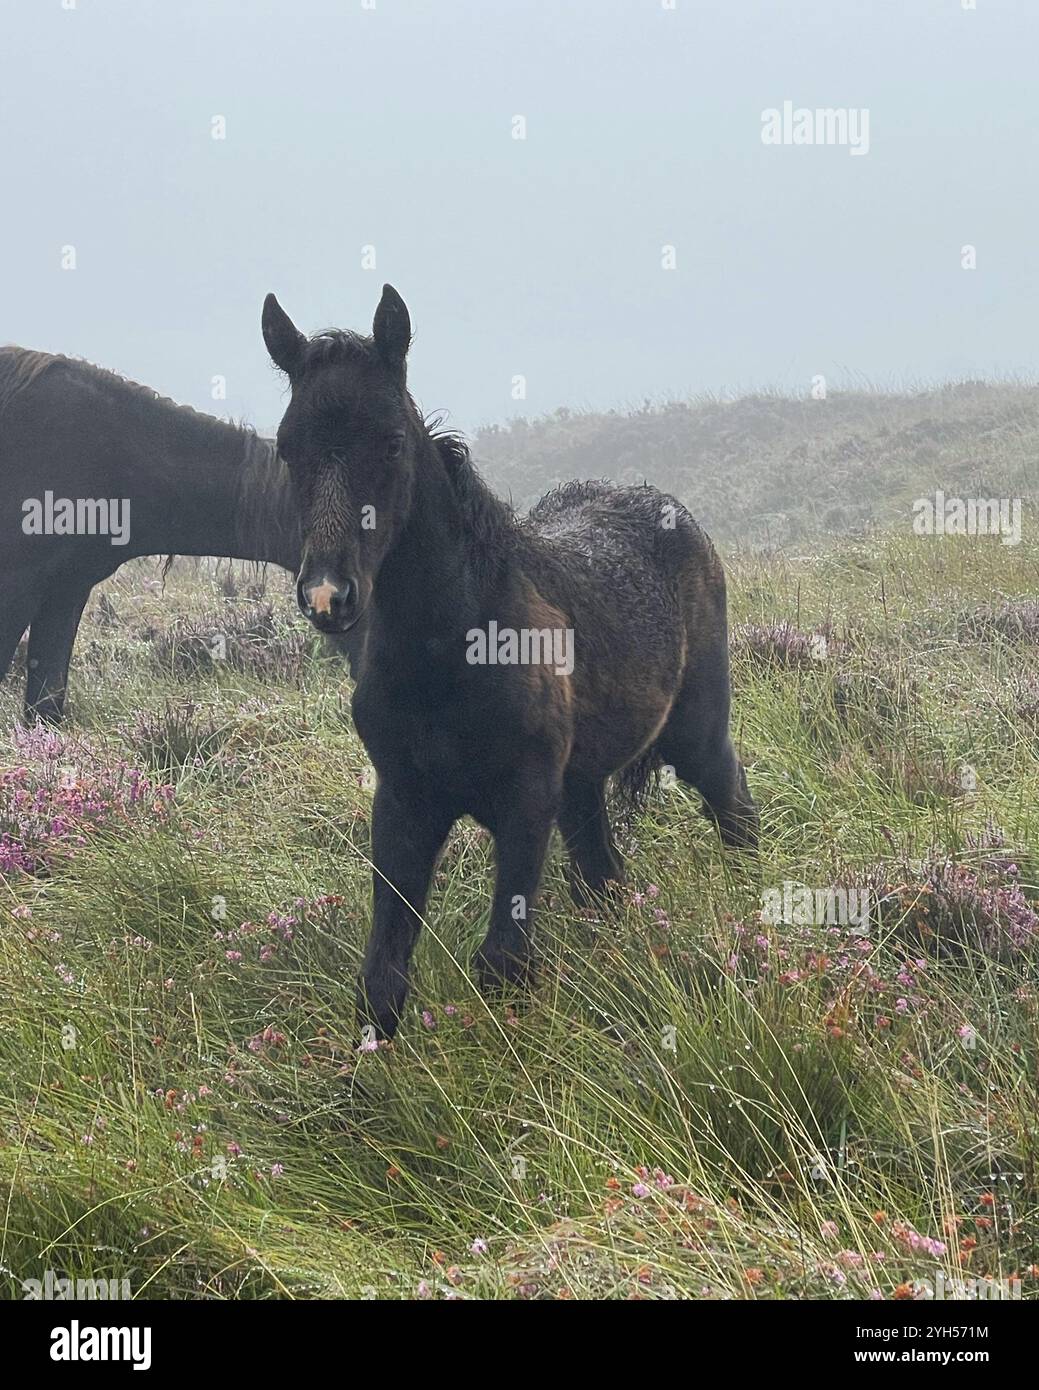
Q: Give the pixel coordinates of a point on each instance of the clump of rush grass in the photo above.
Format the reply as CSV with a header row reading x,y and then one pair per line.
x,y
779,646
1024,702
242,638
181,732
1014,620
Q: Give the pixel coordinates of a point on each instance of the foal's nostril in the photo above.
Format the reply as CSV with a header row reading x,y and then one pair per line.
x,y
344,598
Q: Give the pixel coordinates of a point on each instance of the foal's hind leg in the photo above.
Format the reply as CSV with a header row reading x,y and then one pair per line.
x,y
51,638
696,743
594,861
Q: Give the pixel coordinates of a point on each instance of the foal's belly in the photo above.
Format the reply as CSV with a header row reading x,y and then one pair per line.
x,y
608,738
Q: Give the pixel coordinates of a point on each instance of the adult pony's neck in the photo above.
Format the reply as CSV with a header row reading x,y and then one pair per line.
x,y
449,559
227,490
197,485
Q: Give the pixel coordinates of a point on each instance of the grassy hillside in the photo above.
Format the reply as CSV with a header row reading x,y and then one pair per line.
x,y
695,1103
769,469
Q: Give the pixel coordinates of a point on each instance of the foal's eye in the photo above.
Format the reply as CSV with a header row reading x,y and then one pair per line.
x,y
395,447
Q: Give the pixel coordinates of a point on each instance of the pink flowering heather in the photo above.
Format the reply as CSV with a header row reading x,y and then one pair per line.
x,y
60,790
954,907
914,1241
270,1037
280,925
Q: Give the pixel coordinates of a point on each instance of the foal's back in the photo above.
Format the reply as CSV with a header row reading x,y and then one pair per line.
x,y
615,559
625,565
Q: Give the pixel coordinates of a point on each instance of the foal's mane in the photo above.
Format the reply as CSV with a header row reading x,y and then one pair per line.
x,y
331,347
487,519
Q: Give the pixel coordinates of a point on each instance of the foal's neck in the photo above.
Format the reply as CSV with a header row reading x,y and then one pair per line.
x,y
430,590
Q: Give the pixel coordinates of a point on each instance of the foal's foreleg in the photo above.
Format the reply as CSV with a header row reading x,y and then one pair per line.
x,y
406,839
521,842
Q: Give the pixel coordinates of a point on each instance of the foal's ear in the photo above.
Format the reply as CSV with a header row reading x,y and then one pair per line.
x,y
391,328
284,340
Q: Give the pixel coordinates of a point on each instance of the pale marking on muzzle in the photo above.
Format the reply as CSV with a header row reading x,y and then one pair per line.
x,y
320,597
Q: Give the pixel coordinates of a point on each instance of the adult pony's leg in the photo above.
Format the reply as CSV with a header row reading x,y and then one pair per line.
x,y
406,839
51,638
521,835
11,629
17,608
594,861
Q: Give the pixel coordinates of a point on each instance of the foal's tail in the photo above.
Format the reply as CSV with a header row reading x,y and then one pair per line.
x,y
632,786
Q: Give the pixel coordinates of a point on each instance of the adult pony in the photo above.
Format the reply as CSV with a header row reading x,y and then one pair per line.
x,y
96,470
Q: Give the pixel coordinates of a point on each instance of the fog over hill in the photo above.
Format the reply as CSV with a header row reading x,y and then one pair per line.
x,y
772,469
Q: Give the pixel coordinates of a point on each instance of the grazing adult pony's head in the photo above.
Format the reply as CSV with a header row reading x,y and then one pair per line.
x,y
349,437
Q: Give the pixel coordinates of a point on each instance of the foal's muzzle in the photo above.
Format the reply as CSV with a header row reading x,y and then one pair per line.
x,y
329,603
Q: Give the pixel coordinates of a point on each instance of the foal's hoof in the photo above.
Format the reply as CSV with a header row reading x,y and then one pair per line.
x,y
497,969
377,1019
740,833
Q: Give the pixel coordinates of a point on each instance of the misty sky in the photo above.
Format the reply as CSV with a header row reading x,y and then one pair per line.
x,y
392,128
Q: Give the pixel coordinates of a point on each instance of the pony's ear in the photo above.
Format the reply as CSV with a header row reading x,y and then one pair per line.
x,y
284,340
391,328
